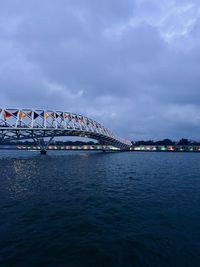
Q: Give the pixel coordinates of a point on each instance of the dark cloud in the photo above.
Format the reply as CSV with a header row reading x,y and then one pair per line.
x,y
131,65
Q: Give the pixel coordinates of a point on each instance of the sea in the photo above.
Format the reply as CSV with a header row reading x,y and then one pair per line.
x,y
95,209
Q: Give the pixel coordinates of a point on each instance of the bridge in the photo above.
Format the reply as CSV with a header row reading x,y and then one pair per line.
x,y
41,125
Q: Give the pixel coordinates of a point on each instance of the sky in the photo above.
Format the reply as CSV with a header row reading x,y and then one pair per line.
x,y
133,65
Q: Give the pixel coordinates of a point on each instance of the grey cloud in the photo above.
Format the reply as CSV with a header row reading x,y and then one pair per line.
x,y
101,59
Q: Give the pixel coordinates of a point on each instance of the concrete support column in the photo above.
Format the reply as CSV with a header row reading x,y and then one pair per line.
x,y
43,152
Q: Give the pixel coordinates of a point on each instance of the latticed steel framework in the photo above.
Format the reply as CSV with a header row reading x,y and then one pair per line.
x,y
37,124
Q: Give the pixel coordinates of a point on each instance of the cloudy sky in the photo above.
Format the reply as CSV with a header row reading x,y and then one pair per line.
x,y
133,65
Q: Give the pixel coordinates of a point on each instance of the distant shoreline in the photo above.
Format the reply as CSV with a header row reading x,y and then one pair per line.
x,y
190,148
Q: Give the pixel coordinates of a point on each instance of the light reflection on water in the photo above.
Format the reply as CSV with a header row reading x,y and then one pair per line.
x,y
24,171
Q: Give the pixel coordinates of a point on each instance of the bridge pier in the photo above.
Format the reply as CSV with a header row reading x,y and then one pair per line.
x,y
43,152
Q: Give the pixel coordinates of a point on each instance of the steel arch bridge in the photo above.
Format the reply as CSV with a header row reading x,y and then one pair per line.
x,y
37,124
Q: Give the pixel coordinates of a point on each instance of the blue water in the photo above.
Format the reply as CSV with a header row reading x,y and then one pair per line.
x,y
71,209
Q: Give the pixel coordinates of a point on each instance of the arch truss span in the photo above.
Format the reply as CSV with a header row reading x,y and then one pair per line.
x,y
37,124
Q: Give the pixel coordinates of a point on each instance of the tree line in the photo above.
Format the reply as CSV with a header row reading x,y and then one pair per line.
x,y
166,142
54,143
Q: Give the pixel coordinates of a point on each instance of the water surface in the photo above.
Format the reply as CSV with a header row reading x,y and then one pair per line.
x,y
75,209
